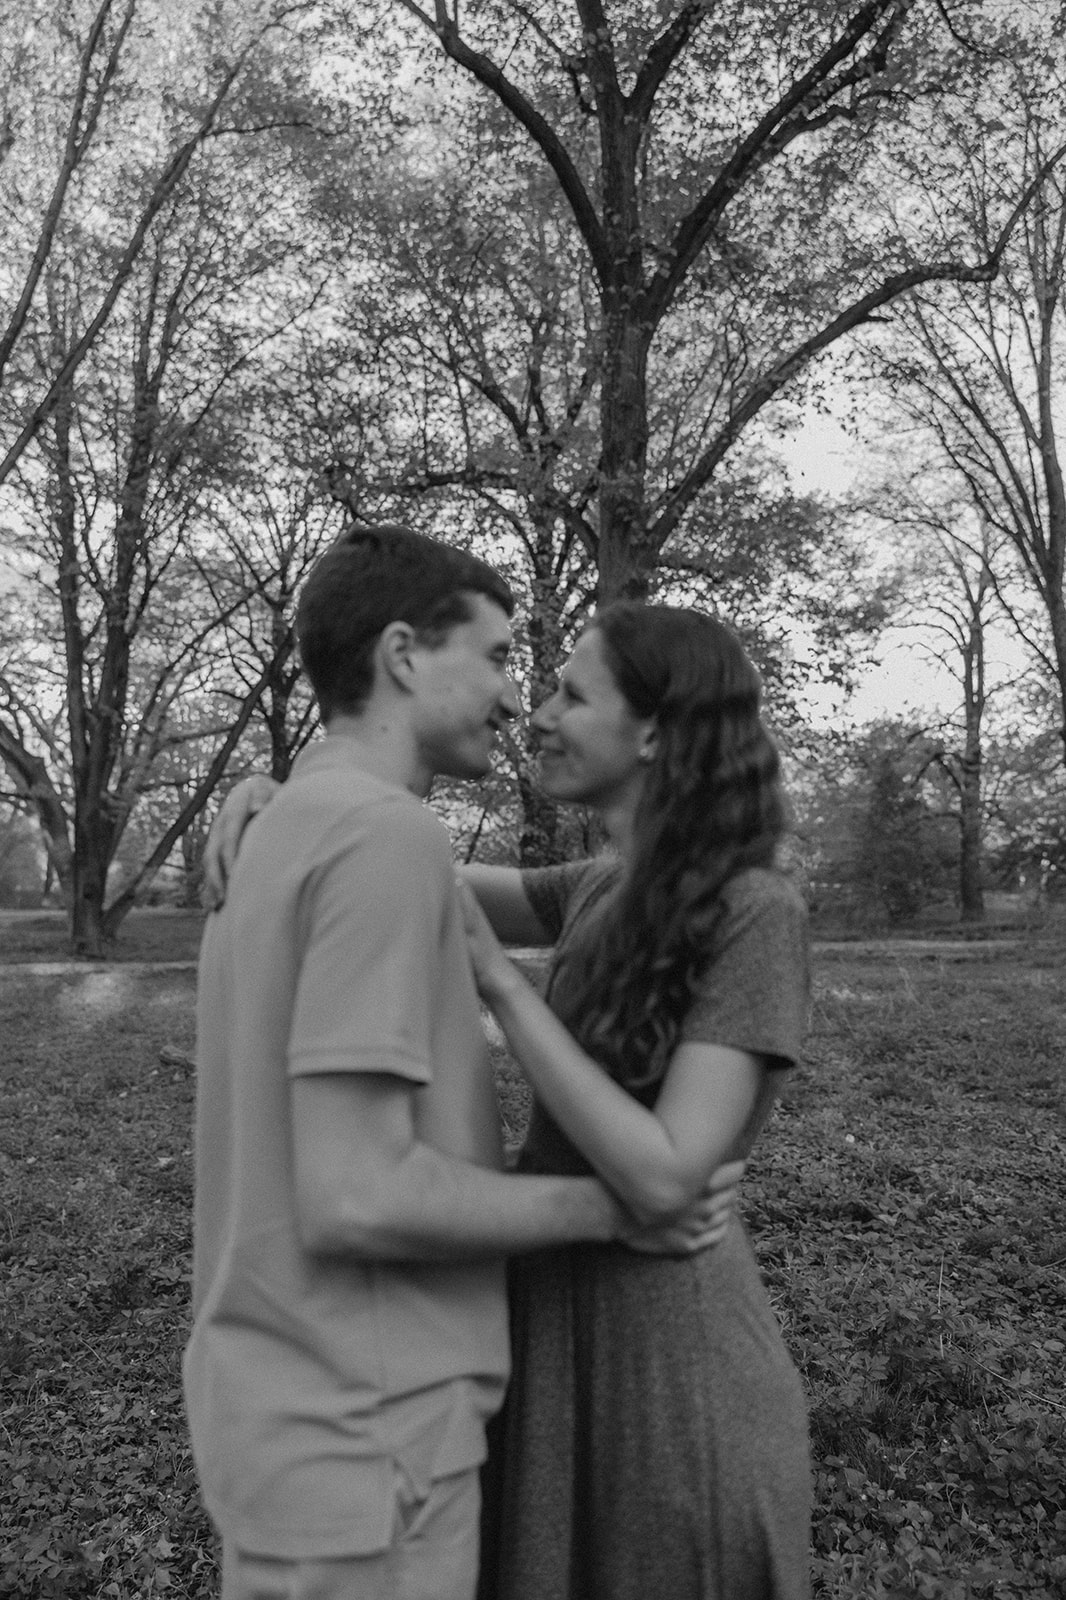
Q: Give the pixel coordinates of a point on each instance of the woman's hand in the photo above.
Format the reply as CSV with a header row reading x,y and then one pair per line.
x,y
493,970
702,1225
244,801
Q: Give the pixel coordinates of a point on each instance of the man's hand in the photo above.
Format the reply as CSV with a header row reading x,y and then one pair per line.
x,y
704,1224
243,802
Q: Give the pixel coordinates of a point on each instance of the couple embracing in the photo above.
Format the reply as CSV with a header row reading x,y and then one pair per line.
x,y
353,1218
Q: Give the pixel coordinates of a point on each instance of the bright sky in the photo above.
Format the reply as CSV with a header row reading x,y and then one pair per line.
x,y
821,457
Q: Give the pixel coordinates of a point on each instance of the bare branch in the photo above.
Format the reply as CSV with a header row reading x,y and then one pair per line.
x,y
81,126
164,187
772,133
539,129
861,311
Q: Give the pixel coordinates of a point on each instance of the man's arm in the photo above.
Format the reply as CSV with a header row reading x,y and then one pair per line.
x,y
368,1188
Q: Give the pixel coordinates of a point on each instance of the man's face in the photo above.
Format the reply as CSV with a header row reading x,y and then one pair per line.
x,y
463,693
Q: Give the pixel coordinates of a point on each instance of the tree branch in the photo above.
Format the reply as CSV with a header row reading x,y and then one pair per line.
x,y
861,311
524,112
770,135
78,141
165,185
662,55
199,798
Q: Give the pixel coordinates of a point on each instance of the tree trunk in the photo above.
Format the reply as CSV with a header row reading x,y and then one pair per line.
x,y
538,838
1057,615
971,892
89,933
626,559
539,843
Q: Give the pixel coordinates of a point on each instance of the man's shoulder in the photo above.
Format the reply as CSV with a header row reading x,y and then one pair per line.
x,y
317,817
375,812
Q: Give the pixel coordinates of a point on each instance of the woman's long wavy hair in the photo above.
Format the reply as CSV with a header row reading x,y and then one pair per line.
x,y
711,806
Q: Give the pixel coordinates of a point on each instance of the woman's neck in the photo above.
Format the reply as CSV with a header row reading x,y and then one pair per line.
x,y
618,824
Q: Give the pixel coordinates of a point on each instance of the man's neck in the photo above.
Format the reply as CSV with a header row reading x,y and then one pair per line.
x,y
384,748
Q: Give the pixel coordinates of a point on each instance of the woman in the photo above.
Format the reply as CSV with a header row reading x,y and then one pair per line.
x,y
655,1439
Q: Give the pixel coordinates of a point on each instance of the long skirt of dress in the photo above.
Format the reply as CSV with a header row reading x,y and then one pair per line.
x,y
654,1442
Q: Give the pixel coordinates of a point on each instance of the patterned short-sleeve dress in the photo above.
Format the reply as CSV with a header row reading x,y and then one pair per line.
x,y
654,1441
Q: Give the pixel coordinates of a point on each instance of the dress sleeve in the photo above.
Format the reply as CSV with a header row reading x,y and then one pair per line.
x,y
371,920
550,891
755,992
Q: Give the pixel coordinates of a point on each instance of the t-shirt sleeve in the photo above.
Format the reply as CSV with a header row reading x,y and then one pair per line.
x,y
754,994
372,919
550,890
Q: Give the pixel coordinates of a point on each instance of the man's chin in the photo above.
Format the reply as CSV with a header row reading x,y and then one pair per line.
x,y
468,769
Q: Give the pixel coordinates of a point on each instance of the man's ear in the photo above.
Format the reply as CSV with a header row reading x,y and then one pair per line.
x,y
649,746
395,654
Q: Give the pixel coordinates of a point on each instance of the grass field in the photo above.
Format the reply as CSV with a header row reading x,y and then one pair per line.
x,y
908,1205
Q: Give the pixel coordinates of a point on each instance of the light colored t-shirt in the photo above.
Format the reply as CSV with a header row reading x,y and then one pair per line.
x,y
311,1382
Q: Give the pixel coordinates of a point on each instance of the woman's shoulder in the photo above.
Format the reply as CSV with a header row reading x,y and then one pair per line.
x,y
762,908
559,894
764,888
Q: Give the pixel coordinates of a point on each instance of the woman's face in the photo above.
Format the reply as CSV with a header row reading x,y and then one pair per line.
x,y
593,747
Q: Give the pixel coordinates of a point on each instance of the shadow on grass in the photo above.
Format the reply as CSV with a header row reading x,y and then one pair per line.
x,y
145,935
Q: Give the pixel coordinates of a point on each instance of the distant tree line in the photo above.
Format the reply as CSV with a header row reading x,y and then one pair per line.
x,y
546,279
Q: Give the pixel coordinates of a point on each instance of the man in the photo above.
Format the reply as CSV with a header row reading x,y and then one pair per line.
x,y
351,1213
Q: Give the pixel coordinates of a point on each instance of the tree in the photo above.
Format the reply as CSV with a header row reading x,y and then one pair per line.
x,y
873,830
468,395
952,600
962,617
977,370
269,535
94,63
1027,806
112,491
733,167
20,869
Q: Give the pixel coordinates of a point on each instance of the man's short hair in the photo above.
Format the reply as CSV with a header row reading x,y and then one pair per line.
x,y
372,576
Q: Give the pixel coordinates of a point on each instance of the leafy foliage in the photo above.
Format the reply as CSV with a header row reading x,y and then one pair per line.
x,y
879,839
907,1205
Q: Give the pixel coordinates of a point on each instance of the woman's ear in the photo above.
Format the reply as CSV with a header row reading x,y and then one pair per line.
x,y
649,747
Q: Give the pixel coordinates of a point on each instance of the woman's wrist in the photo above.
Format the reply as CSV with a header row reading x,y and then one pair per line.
x,y
503,984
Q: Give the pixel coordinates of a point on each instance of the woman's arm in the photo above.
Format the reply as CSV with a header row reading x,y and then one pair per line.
x,y
503,899
244,801
657,1161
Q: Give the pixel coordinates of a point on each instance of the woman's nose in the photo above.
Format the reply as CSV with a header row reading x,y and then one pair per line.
x,y
510,700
